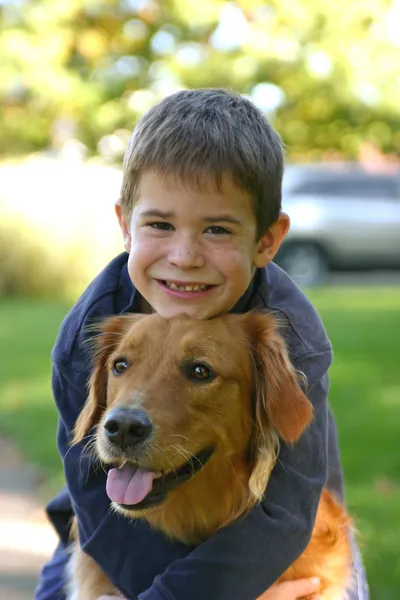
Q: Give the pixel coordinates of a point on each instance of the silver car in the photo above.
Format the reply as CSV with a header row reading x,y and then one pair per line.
x,y
343,217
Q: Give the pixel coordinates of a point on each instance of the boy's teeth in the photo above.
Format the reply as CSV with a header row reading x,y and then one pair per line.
x,y
185,288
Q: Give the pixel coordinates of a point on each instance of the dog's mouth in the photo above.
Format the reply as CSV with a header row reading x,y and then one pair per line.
x,y
134,488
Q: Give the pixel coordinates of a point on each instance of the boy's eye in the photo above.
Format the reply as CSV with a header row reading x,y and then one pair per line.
x,y
161,225
218,230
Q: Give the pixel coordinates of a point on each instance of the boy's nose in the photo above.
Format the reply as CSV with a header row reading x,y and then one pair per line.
x,y
186,255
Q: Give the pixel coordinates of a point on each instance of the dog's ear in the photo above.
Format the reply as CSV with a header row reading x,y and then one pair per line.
x,y
107,337
281,408
279,399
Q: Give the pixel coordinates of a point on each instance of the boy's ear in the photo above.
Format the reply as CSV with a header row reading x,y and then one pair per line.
x,y
124,225
270,242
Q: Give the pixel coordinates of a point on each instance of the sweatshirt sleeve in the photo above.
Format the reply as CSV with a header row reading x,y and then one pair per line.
x,y
241,560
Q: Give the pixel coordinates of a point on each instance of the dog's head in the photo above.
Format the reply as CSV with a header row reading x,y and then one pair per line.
x,y
168,396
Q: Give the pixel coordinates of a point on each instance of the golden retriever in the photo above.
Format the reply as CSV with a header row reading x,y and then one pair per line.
x,y
189,415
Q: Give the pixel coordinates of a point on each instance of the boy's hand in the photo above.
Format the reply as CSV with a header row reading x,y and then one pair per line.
x,y
111,598
289,590
293,590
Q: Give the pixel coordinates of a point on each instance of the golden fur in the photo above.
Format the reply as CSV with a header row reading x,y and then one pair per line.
x,y
254,400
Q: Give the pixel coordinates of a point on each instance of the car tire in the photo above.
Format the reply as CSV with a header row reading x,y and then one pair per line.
x,y
305,263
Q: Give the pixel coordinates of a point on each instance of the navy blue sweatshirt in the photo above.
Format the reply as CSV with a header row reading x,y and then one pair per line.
x,y
243,559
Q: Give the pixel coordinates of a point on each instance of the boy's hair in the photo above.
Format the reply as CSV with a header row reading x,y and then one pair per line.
x,y
208,132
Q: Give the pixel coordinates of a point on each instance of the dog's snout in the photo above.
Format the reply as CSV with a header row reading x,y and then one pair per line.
x,y
127,426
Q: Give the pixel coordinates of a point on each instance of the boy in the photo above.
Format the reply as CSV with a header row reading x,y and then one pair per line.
x,y
200,214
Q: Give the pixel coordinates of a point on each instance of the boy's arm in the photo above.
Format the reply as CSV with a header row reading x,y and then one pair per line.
x,y
52,580
241,560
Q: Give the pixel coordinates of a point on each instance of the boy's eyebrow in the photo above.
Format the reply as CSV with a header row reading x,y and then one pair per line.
x,y
224,218
154,212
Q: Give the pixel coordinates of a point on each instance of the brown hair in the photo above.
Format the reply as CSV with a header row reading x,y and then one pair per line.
x,y
208,132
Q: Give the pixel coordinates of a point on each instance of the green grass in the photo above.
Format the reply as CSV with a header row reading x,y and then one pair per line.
x,y
28,329
364,326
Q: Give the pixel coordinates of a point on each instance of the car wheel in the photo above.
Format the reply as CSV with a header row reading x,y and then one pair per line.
x,y
305,263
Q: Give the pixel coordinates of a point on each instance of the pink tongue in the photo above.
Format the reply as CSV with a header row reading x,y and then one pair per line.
x,y
129,485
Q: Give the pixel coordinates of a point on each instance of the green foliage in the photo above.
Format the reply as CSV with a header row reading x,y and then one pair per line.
x,y
364,395
89,68
30,267
57,225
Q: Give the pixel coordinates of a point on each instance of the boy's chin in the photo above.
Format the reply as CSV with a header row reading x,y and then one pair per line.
x,y
194,312
202,311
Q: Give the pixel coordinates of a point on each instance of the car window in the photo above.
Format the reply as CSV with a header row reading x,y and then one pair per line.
x,y
360,187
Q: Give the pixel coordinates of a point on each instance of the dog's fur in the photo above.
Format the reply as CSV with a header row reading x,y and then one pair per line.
x,y
254,399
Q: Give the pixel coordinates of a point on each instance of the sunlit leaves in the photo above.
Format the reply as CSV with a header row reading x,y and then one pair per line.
x,y
325,72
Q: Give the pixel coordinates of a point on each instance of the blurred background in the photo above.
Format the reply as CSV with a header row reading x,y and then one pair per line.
x,y
75,75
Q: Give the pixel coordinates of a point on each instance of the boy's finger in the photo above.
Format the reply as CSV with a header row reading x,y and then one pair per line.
x,y
293,590
110,598
303,587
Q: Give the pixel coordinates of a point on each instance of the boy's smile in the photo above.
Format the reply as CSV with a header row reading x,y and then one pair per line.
x,y
192,250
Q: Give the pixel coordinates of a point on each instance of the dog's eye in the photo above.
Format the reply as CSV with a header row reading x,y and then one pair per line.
x,y
202,372
119,366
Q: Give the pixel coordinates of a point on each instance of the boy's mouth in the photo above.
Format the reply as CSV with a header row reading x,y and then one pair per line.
x,y
185,287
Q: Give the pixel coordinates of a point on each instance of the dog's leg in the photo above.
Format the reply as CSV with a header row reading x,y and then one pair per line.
x,y
86,581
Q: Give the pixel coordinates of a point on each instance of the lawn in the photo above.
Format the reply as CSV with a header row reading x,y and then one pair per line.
x,y
27,332
364,326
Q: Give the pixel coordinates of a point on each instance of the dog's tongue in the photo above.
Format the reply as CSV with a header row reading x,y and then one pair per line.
x,y
129,485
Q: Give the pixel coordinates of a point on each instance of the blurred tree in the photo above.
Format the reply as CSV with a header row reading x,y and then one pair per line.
x,y
326,73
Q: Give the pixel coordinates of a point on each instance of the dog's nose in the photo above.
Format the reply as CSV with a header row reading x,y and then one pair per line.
x,y
127,426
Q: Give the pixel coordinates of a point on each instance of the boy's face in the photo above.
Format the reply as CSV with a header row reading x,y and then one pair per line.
x,y
194,251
